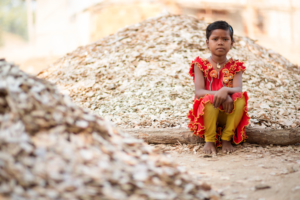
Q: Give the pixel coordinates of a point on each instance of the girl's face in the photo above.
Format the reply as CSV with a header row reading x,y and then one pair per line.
x,y
219,42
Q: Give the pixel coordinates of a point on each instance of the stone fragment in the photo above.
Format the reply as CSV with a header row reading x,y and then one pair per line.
x,y
262,186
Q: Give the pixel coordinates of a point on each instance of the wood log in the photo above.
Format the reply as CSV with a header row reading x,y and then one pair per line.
x,y
185,136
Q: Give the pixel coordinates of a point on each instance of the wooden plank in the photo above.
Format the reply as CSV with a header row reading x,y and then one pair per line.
x,y
184,136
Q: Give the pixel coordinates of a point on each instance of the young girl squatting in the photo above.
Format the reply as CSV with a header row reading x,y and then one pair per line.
x,y
219,111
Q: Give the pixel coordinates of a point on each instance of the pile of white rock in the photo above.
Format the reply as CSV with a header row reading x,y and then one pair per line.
x,y
138,77
52,149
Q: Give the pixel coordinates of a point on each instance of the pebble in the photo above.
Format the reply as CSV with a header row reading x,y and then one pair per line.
x,y
262,186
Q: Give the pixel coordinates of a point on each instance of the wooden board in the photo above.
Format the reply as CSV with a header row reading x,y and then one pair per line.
x,y
184,136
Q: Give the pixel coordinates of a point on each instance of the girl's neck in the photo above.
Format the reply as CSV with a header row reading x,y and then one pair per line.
x,y
219,59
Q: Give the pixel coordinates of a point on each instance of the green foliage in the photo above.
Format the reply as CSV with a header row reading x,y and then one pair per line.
x,y
13,17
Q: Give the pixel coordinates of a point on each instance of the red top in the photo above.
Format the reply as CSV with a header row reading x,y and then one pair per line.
x,y
215,81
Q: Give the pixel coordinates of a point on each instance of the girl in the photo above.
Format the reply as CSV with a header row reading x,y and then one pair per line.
x,y
219,112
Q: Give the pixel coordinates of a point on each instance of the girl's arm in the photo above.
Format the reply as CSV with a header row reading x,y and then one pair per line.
x,y
237,87
237,84
221,95
200,90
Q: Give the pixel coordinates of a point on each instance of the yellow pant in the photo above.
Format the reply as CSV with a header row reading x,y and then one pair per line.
x,y
213,116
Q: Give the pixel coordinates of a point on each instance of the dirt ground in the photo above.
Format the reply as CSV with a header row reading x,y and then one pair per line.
x,y
253,172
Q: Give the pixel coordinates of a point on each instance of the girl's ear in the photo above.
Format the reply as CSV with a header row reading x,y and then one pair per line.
x,y
231,44
207,44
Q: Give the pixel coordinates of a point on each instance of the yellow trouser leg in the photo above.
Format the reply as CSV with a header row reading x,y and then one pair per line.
x,y
233,119
210,122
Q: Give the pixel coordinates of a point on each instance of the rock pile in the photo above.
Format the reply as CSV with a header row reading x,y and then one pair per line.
x,y
139,77
52,149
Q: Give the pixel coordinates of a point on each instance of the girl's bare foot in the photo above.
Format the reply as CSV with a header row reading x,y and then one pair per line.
x,y
227,147
209,148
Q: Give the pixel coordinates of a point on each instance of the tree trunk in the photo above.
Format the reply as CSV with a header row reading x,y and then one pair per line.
x,y
183,135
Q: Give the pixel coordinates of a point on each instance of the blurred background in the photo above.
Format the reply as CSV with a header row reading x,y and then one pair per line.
x,y
35,33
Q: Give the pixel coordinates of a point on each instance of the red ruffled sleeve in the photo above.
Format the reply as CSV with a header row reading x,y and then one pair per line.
x,y
237,66
199,63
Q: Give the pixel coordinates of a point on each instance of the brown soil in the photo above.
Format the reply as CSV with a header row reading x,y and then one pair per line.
x,y
236,175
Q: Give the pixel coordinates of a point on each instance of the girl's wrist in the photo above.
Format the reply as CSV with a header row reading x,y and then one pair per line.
x,y
225,89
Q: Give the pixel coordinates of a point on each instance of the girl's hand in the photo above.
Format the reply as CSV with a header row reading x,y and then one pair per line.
x,y
220,97
228,104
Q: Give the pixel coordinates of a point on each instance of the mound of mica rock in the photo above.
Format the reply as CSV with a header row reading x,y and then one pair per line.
x,y
52,149
138,77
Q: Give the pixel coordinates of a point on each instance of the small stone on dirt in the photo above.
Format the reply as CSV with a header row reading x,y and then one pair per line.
x,y
262,187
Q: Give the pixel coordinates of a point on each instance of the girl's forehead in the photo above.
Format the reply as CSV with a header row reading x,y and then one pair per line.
x,y
220,32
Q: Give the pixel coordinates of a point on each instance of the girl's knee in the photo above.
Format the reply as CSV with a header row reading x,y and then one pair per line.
x,y
240,103
209,107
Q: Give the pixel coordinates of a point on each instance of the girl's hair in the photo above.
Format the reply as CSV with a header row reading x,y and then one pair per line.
x,y
219,25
